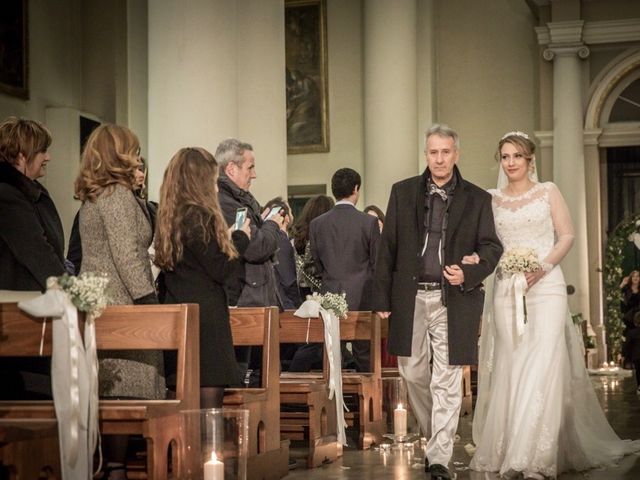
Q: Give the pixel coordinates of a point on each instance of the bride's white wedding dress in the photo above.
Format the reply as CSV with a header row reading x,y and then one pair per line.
x,y
537,411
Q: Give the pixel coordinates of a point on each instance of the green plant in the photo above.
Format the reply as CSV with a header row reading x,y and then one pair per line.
x,y
612,274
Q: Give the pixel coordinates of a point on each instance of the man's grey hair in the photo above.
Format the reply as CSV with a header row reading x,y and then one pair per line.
x,y
231,150
442,130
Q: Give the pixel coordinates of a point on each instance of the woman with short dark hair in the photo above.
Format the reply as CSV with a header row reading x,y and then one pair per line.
x,y
31,235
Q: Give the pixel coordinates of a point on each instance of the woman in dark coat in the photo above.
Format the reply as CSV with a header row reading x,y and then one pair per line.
x,y
31,236
197,253
31,239
630,304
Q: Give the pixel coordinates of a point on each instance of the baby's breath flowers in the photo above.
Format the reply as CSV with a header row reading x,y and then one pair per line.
x,y
519,260
335,302
86,291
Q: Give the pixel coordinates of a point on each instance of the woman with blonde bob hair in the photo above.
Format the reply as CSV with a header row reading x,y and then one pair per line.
x,y
197,254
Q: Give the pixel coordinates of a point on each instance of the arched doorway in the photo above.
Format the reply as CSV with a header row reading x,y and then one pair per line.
x,y
611,140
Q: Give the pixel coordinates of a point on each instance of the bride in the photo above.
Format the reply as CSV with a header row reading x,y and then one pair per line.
x,y
537,412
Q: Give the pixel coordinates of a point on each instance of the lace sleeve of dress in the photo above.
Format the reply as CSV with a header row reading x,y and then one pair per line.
x,y
563,228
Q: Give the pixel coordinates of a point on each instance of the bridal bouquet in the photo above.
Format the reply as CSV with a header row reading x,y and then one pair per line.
x,y
517,262
86,291
334,302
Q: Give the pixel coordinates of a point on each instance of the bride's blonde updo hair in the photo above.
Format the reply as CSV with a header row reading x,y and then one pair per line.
x,y
522,142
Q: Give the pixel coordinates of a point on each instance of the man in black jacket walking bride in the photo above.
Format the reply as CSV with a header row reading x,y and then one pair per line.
x,y
434,301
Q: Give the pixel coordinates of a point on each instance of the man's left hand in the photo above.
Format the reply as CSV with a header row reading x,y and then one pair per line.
x,y
454,274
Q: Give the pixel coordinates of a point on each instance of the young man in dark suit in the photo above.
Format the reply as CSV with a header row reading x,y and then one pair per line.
x,y
434,301
343,245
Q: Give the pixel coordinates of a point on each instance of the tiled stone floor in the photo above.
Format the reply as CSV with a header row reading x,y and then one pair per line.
x,y
617,395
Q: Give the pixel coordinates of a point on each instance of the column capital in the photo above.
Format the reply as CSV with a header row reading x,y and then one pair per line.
x,y
582,51
562,39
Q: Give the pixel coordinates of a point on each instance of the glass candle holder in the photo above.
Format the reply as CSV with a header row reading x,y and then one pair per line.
x,y
400,421
214,444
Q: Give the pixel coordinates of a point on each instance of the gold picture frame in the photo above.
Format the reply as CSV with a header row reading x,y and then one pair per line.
x,y
14,46
306,76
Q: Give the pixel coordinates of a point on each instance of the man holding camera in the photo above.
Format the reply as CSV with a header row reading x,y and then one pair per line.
x,y
257,288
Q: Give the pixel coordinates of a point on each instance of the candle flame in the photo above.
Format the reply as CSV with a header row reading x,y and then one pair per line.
x,y
214,458
399,406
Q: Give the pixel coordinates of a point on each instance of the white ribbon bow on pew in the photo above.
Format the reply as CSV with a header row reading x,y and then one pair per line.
x,y
74,381
312,309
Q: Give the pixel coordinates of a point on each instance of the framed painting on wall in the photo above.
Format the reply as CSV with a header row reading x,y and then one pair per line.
x,y
14,49
306,76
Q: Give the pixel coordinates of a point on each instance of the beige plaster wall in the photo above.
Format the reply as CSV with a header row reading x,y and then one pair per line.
x,y
192,79
486,60
102,56
344,33
137,72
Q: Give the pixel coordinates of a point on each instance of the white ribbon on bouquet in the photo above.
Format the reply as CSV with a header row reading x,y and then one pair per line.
x,y
518,285
74,381
312,309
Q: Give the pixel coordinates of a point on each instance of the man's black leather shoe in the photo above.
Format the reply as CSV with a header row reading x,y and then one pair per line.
x,y
439,472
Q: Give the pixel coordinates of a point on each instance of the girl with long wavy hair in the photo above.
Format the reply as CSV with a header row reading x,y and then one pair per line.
x,y
197,253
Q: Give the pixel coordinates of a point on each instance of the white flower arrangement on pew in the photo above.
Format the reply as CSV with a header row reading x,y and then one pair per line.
x,y
74,364
334,302
87,292
330,307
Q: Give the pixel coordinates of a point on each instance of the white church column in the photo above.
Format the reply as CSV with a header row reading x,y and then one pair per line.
x,y
390,95
594,234
566,50
262,102
193,88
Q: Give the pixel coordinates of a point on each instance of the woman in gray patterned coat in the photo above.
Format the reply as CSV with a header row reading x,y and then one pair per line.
x,y
116,232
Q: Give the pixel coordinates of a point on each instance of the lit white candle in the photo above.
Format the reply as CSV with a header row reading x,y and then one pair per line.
x,y
400,420
214,469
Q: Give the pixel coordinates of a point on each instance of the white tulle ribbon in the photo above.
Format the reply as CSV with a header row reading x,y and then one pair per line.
x,y
312,309
91,355
518,285
72,380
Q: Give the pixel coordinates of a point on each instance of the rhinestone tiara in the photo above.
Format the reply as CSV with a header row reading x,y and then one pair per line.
x,y
516,133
